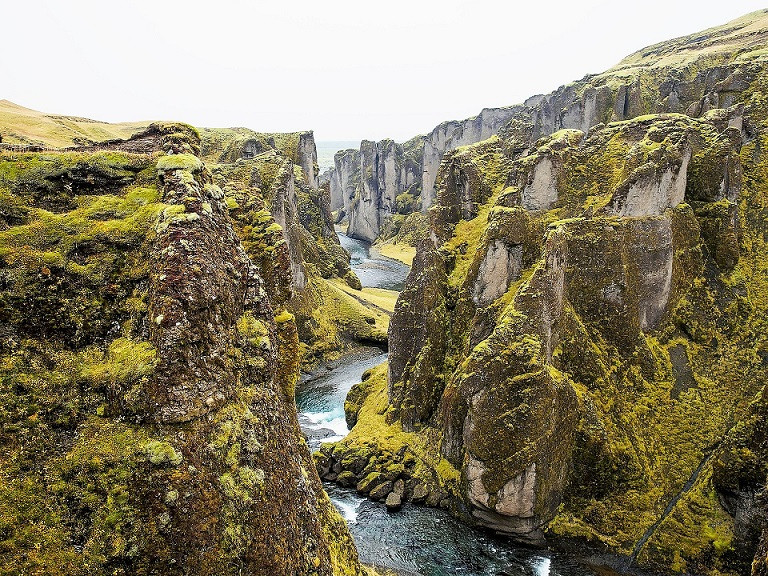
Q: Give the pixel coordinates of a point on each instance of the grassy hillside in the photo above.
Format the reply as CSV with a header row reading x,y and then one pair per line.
x,y
743,37
19,125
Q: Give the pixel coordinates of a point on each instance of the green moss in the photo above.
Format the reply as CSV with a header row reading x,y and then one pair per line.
x,y
331,319
107,487
179,162
46,174
382,442
465,242
126,361
407,203
92,246
84,498
284,317
255,331
242,486
695,536
160,453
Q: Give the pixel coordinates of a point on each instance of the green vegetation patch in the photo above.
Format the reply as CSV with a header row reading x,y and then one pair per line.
x,y
171,162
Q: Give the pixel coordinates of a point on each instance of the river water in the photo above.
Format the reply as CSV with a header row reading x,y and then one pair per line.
x,y
416,540
374,272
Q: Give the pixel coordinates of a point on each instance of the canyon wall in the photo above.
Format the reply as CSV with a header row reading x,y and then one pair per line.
x,y
148,371
270,178
667,77
577,357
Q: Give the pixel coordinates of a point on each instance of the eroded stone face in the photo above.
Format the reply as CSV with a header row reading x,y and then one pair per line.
x,y
518,496
515,499
477,492
307,158
541,193
584,392
501,265
180,429
347,163
655,259
450,135
654,193
622,93
414,325
195,300
336,195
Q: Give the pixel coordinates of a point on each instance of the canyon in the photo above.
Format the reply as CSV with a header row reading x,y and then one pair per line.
x,y
575,362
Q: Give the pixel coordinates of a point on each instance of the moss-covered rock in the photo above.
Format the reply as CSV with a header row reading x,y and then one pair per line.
x,y
147,420
286,227
591,346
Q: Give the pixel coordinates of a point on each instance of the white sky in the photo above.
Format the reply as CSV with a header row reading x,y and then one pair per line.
x,y
348,69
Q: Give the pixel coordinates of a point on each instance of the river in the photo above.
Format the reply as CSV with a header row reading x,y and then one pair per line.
x,y
416,540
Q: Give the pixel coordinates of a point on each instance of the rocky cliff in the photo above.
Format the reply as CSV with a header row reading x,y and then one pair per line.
x,y
579,352
376,183
690,75
147,373
272,198
281,170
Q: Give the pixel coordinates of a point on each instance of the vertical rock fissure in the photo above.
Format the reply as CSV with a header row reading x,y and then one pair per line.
x,y
625,109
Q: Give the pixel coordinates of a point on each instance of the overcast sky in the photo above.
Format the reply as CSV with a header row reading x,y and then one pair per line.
x,y
346,69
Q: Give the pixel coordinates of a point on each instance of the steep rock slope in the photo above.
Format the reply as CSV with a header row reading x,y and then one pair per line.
x,y
282,169
690,75
148,423
270,184
579,352
384,181
379,181
265,177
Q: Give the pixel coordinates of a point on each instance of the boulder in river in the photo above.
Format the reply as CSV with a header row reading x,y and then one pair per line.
x,y
346,479
380,491
372,479
420,493
393,502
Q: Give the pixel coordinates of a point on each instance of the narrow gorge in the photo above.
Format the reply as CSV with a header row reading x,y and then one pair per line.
x,y
532,342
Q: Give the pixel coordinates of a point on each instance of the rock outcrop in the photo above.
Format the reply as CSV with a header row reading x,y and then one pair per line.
x,y
451,135
665,78
271,199
283,173
588,361
306,157
148,421
368,182
345,178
